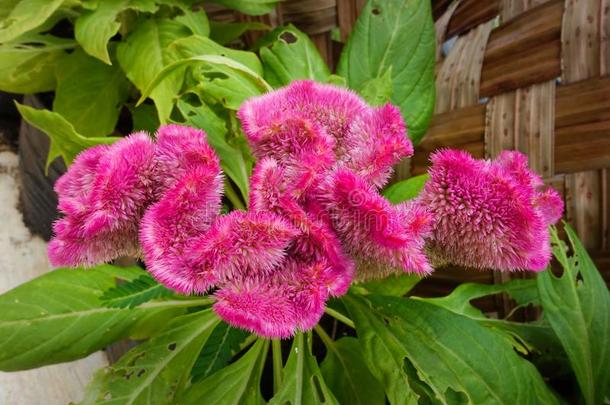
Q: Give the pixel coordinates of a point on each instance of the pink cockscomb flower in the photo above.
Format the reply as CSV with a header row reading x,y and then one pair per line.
x,y
489,214
103,196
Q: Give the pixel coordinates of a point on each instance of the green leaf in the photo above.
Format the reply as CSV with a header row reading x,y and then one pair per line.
x,y
396,34
303,381
378,91
395,284
195,20
224,33
144,54
251,7
406,189
27,64
577,305
232,159
134,293
94,28
347,375
59,317
239,383
20,16
231,82
89,94
157,370
453,356
224,342
196,45
65,141
290,55
144,118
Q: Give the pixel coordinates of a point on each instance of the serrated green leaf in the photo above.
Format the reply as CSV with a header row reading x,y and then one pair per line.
x,y
303,381
94,28
577,305
406,189
27,64
58,317
224,33
156,371
89,94
134,293
221,346
237,384
65,141
347,375
144,54
251,7
290,55
195,20
396,34
454,356
20,16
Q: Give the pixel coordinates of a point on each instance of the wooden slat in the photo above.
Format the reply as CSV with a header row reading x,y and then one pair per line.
x,y
524,51
471,13
509,9
440,26
584,206
439,7
580,37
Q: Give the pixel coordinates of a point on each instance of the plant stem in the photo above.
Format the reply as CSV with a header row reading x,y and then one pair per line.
x,y
178,303
328,342
340,317
278,368
233,196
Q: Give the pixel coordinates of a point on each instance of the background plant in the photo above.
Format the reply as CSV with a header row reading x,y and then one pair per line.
x,y
163,61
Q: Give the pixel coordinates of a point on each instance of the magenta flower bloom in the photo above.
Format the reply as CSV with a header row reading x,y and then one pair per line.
x,y
489,214
103,196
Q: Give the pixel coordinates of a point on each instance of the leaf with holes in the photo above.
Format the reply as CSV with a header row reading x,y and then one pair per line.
x,y
222,345
158,369
290,55
303,381
135,292
454,357
224,33
577,305
406,189
397,35
347,375
238,383
59,317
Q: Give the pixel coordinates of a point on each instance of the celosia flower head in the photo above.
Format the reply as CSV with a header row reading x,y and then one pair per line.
x,y
489,214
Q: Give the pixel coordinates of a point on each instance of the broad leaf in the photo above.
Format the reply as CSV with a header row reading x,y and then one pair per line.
x,y
94,28
157,370
59,317
347,375
229,82
144,118
303,381
457,358
397,35
27,64
395,284
378,91
406,189
224,33
89,94
20,16
251,7
134,292
239,383
144,54
290,55
577,305
65,141
224,342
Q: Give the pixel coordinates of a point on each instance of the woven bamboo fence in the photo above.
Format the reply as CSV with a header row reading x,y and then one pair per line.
x,y
529,75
